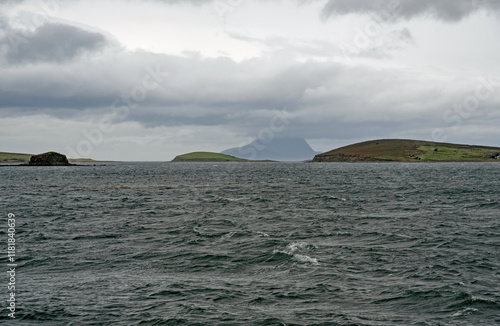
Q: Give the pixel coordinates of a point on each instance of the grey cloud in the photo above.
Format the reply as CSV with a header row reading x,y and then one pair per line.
x,y
4,25
195,2
170,2
396,40
49,43
195,91
446,10
238,96
298,46
387,45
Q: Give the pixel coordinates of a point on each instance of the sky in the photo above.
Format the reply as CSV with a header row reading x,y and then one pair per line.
x,y
148,80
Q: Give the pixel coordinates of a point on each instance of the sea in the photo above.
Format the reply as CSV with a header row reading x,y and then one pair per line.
x,y
252,244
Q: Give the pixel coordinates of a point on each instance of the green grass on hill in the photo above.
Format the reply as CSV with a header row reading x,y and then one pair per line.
x,y
84,160
403,150
444,153
207,157
14,157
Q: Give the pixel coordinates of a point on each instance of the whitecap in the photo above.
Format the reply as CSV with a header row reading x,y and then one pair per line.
x,y
305,259
295,246
298,251
466,311
228,235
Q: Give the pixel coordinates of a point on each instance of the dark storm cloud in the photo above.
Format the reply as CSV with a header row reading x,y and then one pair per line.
x,y
198,91
215,91
446,10
243,96
49,43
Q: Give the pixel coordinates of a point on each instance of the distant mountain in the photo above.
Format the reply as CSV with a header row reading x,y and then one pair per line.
x,y
406,150
279,149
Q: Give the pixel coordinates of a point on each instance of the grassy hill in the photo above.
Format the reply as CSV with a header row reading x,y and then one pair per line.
x,y
207,157
14,157
404,150
85,160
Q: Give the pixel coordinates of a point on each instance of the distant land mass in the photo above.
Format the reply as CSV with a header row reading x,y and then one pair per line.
x,y
405,150
278,149
14,157
206,157
6,157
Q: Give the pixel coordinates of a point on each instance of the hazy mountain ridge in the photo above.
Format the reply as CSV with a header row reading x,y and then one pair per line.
x,y
278,149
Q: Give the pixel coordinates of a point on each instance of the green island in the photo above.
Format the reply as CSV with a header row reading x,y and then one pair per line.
x,y
405,150
382,150
14,157
207,157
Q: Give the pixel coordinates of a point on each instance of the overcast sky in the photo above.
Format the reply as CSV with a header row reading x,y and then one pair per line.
x,y
151,79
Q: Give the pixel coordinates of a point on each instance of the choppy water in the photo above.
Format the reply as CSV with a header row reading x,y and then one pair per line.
x,y
255,244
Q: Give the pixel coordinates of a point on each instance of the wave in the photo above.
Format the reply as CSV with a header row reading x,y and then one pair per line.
x,y
174,246
465,312
298,252
327,198
160,321
41,316
465,300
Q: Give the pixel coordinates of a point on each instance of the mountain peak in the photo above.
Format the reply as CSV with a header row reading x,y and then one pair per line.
x,y
276,149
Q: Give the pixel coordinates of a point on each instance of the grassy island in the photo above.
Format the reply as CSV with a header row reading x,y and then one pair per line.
x,y
14,157
404,150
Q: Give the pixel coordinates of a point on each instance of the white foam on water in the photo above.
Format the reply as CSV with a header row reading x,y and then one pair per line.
x,y
298,250
228,235
466,311
305,259
295,246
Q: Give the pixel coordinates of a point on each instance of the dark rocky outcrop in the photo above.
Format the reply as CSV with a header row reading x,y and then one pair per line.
x,y
49,159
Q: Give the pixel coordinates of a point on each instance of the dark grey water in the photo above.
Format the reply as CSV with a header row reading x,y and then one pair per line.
x,y
255,244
